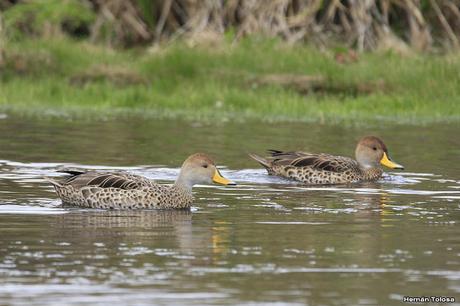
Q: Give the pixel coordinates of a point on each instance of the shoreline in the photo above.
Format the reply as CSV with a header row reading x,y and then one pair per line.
x,y
257,79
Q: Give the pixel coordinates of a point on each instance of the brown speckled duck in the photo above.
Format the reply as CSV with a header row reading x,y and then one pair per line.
x,y
323,168
118,190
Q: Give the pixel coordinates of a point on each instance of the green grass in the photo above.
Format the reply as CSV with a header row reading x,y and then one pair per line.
x,y
216,83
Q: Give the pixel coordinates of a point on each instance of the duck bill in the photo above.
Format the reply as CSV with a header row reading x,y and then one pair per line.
x,y
387,162
219,179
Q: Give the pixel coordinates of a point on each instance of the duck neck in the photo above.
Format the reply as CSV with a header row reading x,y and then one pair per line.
x,y
182,193
183,184
371,173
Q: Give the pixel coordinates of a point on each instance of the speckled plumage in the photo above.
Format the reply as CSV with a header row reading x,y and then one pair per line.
x,y
323,168
317,169
119,191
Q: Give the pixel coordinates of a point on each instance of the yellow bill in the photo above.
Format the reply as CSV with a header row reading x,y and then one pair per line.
x,y
386,161
219,179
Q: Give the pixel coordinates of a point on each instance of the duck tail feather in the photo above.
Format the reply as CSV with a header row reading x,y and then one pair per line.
x,y
260,160
274,152
54,182
71,171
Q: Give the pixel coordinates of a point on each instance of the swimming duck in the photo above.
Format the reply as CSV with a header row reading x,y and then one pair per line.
x,y
118,190
329,169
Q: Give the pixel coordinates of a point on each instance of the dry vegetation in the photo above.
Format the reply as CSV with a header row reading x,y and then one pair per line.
x,y
242,68
364,24
421,25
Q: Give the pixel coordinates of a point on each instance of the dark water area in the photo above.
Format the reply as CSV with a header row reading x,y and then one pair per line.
x,y
263,241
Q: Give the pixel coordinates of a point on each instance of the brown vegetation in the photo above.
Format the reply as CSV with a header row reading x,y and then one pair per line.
x,y
102,73
306,84
422,25
363,24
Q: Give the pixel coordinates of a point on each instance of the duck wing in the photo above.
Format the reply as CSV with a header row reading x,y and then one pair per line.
x,y
325,162
120,180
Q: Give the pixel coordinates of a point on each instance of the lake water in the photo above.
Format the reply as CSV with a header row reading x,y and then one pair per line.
x,y
264,241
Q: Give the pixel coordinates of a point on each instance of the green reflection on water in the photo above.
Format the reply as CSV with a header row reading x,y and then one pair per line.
x,y
362,244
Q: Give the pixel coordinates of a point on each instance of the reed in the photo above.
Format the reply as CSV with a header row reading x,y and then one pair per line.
x,y
421,25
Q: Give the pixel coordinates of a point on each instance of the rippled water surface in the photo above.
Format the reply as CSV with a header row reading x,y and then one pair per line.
x,y
264,241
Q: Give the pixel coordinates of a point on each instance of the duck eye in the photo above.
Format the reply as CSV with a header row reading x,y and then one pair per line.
x,y
374,148
205,166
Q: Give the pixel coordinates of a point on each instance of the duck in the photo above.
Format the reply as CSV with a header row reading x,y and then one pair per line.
x,y
122,190
325,169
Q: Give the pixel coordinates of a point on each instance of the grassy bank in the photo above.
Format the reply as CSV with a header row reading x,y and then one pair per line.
x,y
259,79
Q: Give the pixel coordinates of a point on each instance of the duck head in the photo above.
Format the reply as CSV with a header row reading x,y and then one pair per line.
x,y
199,168
371,152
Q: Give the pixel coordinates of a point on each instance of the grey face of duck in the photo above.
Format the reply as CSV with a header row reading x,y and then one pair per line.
x,y
200,169
371,152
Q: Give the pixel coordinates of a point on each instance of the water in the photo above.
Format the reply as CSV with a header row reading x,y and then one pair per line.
x,y
264,241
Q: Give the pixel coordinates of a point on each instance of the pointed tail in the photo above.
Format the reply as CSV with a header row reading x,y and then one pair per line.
x,y
261,160
55,183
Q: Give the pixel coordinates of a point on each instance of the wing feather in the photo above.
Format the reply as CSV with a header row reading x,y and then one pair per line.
x,y
323,162
107,180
